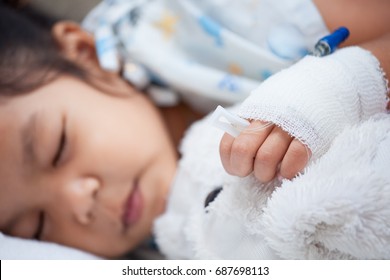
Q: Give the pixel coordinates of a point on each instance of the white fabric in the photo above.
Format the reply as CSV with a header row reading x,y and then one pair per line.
x,y
338,209
212,52
199,172
264,22
316,98
13,248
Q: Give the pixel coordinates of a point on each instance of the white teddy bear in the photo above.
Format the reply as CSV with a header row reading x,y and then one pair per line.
x,y
338,209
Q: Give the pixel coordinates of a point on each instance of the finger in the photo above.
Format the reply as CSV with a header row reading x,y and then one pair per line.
x,y
271,154
296,158
245,147
225,147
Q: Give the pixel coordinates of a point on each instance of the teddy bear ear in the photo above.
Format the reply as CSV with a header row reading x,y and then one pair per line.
x,y
211,196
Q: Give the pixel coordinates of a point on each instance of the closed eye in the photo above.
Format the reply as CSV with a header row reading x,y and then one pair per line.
x,y
60,148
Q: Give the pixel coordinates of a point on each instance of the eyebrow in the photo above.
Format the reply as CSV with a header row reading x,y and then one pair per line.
x,y
28,136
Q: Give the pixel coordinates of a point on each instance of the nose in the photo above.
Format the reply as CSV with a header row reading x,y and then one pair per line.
x,y
82,195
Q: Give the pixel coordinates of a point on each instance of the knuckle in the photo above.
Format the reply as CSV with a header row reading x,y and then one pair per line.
x,y
225,146
241,149
265,165
265,156
243,172
295,160
242,168
297,151
288,172
242,157
263,177
238,170
230,172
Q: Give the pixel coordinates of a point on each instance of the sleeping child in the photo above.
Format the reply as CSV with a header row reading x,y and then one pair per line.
x,y
88,161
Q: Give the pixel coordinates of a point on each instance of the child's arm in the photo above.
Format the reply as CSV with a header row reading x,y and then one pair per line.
x,y
365,19
313,101
380,47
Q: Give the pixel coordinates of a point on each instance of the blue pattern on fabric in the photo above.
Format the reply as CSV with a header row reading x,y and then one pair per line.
x,y
229,83
212,28
265,74
105,44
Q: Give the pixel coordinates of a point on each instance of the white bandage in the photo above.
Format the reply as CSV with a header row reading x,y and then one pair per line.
x,y
315,99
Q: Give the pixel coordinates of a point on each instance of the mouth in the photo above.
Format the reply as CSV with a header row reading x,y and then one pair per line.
x,y
133,207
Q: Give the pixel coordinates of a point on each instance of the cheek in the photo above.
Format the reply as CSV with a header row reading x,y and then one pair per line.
x,y
129,129
103,238
146,133
129,125
26,226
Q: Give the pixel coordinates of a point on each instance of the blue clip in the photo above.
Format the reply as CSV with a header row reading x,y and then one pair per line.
x,y
329,43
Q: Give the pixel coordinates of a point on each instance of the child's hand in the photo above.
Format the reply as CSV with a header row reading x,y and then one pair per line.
x,y
268,152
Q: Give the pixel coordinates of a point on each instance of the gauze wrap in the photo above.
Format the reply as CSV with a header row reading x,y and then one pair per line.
x,y
315,99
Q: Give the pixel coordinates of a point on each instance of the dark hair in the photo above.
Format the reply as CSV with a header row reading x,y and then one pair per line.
x,y
29,56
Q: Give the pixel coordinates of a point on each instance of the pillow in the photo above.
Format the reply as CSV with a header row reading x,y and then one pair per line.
x,y
14,248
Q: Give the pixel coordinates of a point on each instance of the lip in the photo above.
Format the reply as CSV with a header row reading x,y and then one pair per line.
x,y
133,207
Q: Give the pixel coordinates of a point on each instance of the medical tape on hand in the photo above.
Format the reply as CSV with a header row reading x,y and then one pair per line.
x,y
228,122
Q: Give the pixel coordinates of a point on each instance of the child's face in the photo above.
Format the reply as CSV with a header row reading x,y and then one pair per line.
x,y
82,168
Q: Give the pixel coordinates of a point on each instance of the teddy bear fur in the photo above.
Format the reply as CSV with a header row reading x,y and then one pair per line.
x,y
338,208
